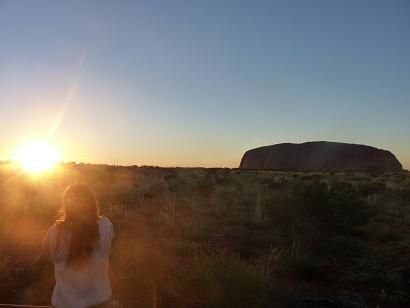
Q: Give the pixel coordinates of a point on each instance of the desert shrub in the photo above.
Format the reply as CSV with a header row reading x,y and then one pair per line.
x,y
402,194
334,236
346,211
336,207
118,212
394,299
385,232
223,180
148,186
372,188
135,267
205,188
166,217
323,224
172,180
185,181
357,177
192,224
217,278
307,268
8,284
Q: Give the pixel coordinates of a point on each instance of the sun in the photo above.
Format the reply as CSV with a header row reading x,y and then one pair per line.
x,y
37,157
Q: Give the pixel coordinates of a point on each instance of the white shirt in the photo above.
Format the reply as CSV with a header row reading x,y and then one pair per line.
x,y
83,286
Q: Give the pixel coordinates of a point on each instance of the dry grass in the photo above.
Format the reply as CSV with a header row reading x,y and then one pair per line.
x,y
204,237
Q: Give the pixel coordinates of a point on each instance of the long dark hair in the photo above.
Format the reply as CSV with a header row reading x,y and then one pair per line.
x,y
78,218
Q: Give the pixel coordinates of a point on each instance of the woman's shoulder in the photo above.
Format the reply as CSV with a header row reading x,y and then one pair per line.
x,y
53,229
50,235
105,223
104,220
106,227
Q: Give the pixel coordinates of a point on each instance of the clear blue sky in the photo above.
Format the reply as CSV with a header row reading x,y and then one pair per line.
x,y
196,83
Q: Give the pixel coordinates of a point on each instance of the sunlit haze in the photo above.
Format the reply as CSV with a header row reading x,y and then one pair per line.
x,y
36,156
197,83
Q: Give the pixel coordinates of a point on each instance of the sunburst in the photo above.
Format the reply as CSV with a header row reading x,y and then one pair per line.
x,y
37,157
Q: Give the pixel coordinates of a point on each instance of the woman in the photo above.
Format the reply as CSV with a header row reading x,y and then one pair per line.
x,y
79,244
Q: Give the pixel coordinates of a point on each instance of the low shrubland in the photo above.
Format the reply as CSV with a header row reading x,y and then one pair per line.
x,y
222,238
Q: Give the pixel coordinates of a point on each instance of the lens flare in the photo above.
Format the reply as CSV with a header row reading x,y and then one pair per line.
x,y
37,157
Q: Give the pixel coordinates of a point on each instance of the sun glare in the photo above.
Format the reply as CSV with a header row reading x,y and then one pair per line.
x,y
37,157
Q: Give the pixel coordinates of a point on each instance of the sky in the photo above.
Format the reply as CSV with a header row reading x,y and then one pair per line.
x,y
197,83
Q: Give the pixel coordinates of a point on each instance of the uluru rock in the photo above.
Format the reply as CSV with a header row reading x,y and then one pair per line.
x,y
320,156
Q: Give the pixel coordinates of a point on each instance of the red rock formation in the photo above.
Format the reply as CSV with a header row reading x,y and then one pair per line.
x,y
320,156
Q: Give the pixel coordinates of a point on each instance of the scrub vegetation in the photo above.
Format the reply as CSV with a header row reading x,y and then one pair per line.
x,y
221,237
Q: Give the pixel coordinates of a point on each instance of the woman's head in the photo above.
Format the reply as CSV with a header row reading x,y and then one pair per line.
x,y
78,217
79,204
